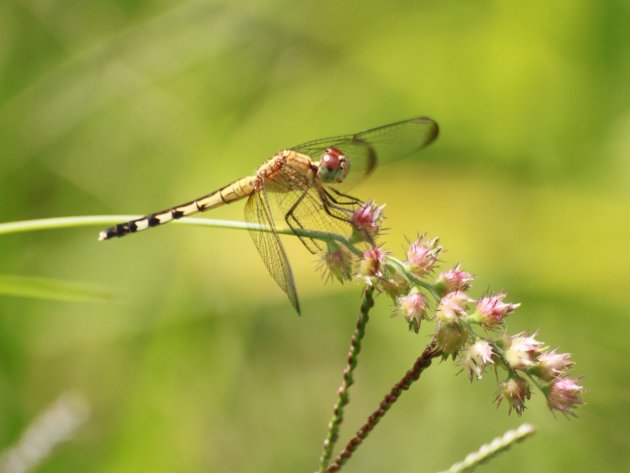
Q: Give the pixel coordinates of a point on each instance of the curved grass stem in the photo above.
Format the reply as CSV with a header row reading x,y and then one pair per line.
x,y
493,449
103,220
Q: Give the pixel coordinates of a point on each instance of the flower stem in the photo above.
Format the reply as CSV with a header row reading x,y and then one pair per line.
x,y
348,380
416,281
422,362
61,222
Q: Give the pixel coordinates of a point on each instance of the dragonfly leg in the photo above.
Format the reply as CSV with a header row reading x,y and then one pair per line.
x,y
333,207
346,208
354,202
294,224
351,199
339,210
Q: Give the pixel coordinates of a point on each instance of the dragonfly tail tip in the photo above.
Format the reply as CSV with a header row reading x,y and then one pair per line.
x,y
102,236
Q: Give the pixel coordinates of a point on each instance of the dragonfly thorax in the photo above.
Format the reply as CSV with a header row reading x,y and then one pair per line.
x,y
333,166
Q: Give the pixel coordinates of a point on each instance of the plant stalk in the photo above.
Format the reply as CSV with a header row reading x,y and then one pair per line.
x,y
102,220
348,379
421,363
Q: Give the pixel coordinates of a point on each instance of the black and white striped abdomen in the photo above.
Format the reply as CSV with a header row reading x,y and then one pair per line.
x,y
228,194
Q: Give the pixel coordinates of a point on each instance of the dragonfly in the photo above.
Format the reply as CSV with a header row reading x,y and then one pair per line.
x,y
302,185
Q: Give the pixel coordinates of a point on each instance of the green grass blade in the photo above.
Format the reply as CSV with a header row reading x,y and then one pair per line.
x,y
51,289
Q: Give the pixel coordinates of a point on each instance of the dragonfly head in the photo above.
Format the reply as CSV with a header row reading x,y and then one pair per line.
x,y
333,166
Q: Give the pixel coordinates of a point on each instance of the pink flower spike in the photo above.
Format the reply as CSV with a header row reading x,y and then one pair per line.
x,y
453,306
414,308
564,394
552,364
476,357
451,338
336,262
395,284
515,391
372,265
368,218
422,256
453,279
491,310
523,352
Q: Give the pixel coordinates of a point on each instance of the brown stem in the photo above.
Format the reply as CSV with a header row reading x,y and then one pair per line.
x,y
422,362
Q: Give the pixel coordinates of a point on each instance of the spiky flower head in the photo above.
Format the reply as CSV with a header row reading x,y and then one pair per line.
x,y
414,309
564,394
552,364
422,255
453,306
372,265
453,279
367,220
451,338
336,262
395,284
515,391
523,352
476,357
491,310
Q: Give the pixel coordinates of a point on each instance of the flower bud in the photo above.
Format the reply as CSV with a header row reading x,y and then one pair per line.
x,y
422,256
372,265
395,284
564,394
413,307
336,262
515,391
476,357
491,310
451,338
367,220
453,279
552,364
523,352
453,306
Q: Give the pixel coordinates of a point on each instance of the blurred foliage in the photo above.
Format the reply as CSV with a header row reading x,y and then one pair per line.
x,y
199,363
52,289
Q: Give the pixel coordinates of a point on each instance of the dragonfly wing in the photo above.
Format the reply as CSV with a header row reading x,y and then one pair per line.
x,y
311,207
377,146
258,210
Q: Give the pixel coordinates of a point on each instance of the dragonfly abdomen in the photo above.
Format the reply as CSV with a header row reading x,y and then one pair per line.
x,y
232,192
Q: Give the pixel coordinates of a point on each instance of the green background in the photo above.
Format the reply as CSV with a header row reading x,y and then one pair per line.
x,y
195,361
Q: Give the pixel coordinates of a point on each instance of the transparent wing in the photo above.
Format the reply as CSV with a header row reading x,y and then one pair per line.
x,y
376,146
258,210
310,207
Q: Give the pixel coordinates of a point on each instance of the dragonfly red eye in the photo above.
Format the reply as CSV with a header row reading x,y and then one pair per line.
x,y
332,158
